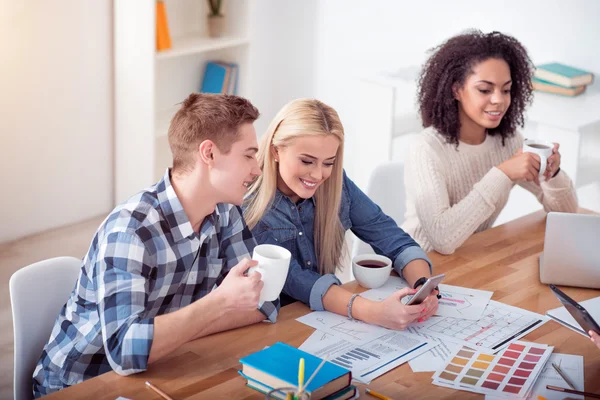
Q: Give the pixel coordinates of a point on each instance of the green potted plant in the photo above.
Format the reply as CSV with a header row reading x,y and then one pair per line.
x,y
216,20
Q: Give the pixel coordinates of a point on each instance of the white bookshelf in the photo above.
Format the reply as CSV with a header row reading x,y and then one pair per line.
x,y
149,84
195,44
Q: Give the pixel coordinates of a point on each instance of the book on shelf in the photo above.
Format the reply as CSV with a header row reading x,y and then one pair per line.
x,y
163,38
549,87
220,77
277,367
563,75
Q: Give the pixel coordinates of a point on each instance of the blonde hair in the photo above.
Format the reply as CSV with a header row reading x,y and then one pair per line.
x,y
304,117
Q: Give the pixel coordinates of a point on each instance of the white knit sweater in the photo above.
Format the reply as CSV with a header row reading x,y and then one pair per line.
x,y
452,192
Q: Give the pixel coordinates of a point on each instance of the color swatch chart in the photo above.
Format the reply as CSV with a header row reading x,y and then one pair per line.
x,y
509,374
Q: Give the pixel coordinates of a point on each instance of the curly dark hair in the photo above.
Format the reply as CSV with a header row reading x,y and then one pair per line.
x,y
452,62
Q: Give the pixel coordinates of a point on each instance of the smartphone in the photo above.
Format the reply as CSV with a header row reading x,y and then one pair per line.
x,y
583,318
425,290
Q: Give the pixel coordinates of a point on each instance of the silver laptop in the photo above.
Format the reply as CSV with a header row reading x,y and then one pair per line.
x,y
571,254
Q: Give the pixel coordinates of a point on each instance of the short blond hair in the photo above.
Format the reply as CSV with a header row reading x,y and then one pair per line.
x,y
206,116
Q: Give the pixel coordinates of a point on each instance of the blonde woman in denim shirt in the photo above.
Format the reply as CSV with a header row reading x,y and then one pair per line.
x,y
304,202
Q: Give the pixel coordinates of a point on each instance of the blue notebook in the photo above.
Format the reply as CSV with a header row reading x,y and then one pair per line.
x,y
216,78
277,366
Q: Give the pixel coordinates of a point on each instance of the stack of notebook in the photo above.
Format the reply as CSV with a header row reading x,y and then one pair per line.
x,y
561,79
277,367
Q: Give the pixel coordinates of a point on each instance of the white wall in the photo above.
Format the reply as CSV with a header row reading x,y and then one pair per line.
x,y
357,36
284,36
56,124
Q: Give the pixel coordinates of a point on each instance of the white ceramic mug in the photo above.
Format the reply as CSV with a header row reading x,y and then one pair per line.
x,y
543,149
273,266
374,276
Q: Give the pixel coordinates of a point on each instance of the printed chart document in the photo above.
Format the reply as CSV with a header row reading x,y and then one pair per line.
x,y
460,302
368,360
433,359
393,284
456,301
570,365
500,325
341,327
367,350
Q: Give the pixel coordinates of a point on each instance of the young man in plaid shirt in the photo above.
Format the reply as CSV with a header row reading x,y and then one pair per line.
x,y
168,265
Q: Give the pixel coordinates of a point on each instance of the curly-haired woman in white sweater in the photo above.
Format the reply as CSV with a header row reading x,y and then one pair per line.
x,y
473,91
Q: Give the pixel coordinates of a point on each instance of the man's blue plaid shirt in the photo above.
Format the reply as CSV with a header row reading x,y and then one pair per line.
x,y
139,266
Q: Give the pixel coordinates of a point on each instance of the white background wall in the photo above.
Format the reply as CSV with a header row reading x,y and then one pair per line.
x,y
56,108
56,79
357,36
284,35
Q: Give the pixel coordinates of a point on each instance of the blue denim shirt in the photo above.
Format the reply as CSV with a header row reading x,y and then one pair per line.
x,y
291,225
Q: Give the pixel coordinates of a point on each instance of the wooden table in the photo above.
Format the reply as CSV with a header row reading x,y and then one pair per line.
x,y
503,260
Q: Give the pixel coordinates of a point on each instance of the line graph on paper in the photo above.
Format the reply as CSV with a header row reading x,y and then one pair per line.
x,y
342,327
351,330
499,325
460,302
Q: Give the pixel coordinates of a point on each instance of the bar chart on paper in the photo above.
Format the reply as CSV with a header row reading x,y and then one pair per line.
x,y
354,356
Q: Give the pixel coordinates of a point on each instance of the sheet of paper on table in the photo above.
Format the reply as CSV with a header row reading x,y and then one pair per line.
x,y
370,359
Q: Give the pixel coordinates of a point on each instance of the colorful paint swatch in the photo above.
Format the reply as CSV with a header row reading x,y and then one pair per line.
x,y
522,373
507,361
481,365
459,361
501,369
535,350
490,385
469,381
517,381
475,372
512,354
465,353
496,377
454,368
516,347
512,389
448,376
526,365
531,358
511,372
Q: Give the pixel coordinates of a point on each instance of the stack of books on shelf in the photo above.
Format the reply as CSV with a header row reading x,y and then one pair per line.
x,y
276,367
220,77
561,79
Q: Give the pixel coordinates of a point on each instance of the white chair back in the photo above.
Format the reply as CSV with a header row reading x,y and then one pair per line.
x,y
386,189
37,293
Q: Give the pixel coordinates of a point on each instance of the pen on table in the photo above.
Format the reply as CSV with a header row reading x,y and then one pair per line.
x,y
562,375
375,394
157,390
559,389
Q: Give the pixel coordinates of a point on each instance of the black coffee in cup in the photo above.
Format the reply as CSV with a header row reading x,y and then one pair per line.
x,y
371,264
